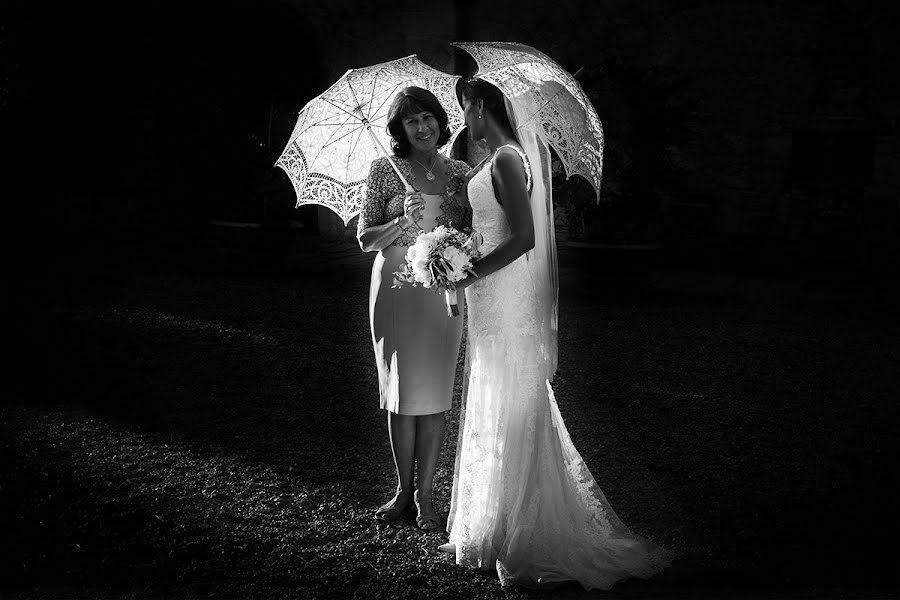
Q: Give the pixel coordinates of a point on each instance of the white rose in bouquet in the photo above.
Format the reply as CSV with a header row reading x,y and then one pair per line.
x,y
458,262
438,260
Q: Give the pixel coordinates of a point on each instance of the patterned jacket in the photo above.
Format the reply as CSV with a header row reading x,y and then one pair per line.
x,y
385,195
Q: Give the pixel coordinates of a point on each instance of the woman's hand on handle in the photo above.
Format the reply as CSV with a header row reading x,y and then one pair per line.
x,y
413,206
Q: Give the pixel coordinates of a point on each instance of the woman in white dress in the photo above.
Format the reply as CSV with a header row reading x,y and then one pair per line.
x,y
524,502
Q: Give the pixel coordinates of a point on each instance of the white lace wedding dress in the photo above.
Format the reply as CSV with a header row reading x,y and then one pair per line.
x,y
524,502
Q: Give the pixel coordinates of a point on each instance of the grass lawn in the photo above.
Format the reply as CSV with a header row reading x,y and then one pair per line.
x,y
175,428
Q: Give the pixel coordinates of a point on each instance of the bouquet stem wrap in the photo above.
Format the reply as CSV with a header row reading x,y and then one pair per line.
x,y
452,307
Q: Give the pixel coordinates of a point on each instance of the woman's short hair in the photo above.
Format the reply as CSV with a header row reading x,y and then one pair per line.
x,y
409,101
494,100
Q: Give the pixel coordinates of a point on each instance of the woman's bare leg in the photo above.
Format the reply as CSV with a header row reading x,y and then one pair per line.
x,y
402,431
429,436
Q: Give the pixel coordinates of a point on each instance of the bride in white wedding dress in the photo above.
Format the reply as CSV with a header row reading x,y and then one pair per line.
x,y
524,502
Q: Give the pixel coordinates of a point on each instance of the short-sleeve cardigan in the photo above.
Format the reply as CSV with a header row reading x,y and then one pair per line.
x,y
385,194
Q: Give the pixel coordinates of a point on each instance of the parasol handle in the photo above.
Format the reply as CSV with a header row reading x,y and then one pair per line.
x,y
409,188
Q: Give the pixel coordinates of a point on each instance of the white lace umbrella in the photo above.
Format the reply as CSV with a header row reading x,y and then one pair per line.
x,y
341,131
553,104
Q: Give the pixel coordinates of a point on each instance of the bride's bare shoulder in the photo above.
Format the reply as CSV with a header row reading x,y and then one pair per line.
x,y
508,160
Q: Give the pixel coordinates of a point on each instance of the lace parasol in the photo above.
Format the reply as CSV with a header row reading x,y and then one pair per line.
x,y
341,131
551,103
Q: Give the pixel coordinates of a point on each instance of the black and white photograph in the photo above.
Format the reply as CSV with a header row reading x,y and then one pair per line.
x,y
516,300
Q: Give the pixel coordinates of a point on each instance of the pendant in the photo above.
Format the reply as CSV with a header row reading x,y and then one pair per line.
x,y
429,176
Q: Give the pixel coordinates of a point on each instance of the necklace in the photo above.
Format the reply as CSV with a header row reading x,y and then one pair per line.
x,y
429,175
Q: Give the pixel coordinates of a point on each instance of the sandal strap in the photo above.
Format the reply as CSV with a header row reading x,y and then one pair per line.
x,y
432,520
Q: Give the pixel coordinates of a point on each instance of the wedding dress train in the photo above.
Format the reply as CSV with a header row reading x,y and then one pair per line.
x,y
523,501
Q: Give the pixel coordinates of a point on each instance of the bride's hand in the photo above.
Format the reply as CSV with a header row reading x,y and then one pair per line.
x,y
465,282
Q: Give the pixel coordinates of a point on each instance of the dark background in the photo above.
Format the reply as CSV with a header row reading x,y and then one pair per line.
x,y
150,118
739,134
746,279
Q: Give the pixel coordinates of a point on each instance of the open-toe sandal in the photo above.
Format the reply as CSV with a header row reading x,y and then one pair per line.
x,y
390,511
426,519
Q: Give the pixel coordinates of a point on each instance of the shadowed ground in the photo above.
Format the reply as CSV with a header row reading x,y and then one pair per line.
x,y
175,428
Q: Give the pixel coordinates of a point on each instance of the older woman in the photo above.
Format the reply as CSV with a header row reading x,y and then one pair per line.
x,y
416,342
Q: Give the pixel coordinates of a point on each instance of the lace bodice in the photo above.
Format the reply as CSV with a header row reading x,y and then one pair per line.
x,y
488,216
385,194
506,299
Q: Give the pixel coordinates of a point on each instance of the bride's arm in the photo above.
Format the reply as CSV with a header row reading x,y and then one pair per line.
x,y
510,186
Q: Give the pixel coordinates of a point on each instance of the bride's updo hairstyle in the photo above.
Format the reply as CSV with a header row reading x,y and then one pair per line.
x,y
494,100
409,101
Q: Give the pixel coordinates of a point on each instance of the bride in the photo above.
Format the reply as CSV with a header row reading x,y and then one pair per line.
x,y
524,502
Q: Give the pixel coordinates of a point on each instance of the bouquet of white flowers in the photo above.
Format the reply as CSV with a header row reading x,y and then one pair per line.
x,y
438,260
